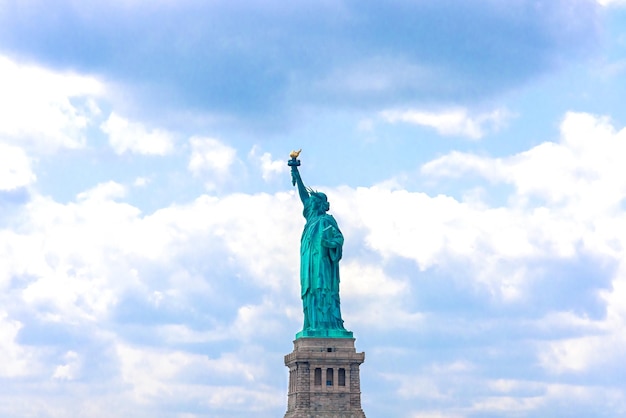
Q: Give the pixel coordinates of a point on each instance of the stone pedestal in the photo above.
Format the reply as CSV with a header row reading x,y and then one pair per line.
x,y
324,379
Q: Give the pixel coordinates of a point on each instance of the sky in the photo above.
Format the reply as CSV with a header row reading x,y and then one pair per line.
x,y
472,153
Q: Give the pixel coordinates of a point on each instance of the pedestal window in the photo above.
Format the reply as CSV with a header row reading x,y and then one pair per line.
x,y
341,377
318,377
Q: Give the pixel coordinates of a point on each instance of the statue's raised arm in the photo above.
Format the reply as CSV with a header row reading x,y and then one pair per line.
x,y
295,176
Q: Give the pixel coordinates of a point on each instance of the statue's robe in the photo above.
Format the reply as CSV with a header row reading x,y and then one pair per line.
x,y
320,252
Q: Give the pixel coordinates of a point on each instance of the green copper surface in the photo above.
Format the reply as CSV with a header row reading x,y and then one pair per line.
x,y
320,251
324,333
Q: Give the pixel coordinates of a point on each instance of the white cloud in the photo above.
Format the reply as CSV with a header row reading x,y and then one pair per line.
x,y
210,154
15,168
529,396
103,191
505,397
581,181
161,375
270,168
174,334
577,354
611,2
454,122
254,320
603,345
141,181
369,281
507,404
127,136
66,251
229,224
16,360
567,200
433,231
62,104
370,297
456,164
584,167
82,257
71,368
211,159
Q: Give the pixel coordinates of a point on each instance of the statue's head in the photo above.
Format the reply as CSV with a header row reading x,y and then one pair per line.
x,y
320,201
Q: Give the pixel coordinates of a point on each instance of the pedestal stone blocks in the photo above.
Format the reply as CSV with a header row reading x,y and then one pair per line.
x,y
324,379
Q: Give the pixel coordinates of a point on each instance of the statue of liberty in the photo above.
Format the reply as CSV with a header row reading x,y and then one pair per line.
x,y
320,251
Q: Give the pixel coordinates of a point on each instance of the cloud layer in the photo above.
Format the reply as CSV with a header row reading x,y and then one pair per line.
x,y
165,307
